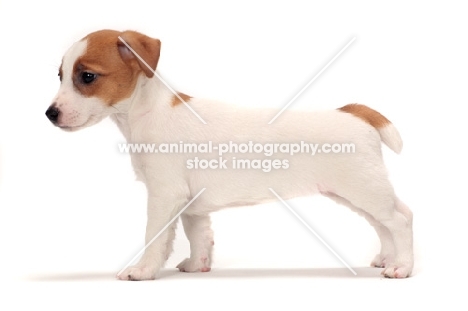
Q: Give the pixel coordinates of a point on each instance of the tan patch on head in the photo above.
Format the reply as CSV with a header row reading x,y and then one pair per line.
x,y
366,114
115,79
176,101
116,75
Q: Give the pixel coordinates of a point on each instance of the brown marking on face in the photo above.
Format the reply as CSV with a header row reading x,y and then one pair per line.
x,y
366,114
114,67
176,101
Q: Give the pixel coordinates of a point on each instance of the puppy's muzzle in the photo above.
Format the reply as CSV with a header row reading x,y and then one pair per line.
x,y
53,114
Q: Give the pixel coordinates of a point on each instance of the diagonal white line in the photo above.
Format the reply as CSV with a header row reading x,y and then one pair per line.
x,y
313,231
313,79
161,231
162,80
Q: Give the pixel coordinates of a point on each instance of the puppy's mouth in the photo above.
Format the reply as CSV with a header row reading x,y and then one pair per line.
x,y
91,120
71,128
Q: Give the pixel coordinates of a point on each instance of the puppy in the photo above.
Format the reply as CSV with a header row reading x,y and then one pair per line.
x,y
101,76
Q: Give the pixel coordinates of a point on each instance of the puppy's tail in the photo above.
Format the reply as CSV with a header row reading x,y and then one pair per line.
x,y
388,132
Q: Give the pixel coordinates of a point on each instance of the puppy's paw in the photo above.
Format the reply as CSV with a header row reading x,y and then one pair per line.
x,y
138,273
397,271
381,261
195,265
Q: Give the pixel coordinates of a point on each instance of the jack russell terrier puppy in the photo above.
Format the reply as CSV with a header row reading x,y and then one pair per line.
x,y
100,76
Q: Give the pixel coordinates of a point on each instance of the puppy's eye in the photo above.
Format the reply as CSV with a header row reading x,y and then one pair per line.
x,y
87,77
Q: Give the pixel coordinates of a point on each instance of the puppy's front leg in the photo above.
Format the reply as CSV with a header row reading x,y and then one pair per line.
x,y
161,209
198,231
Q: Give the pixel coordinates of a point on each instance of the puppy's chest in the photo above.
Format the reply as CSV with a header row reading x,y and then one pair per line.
x,y
149,165
138,167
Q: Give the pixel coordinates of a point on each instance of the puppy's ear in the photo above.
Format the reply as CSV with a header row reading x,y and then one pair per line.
x,y
147,48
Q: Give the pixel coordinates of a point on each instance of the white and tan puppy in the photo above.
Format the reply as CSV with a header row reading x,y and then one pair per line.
x,y
101,77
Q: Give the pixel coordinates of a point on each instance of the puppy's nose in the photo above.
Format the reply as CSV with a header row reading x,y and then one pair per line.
x,y
53,113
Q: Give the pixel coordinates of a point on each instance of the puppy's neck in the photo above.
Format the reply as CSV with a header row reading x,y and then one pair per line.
x,y
150,100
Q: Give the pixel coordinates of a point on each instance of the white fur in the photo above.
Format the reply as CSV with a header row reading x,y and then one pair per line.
x,y
357,180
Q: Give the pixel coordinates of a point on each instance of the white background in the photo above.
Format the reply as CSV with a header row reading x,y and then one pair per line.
x,y
71,214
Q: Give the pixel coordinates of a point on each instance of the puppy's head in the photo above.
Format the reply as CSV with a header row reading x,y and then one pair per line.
x,y
98,77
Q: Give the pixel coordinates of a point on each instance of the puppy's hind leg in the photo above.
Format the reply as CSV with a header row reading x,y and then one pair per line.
x,y
198,231
387,248
400,224
380,202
